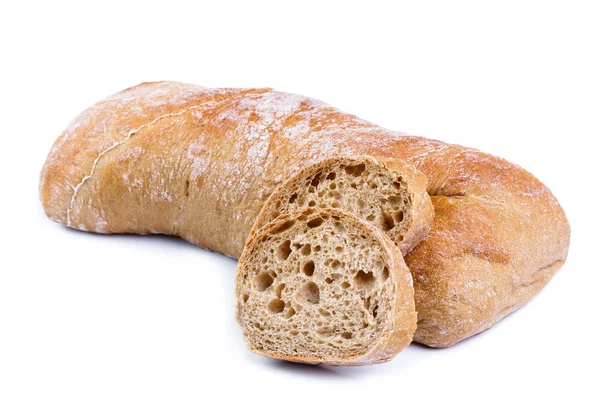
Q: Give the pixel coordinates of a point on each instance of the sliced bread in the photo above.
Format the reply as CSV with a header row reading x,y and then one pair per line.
x,y
389,194
323,286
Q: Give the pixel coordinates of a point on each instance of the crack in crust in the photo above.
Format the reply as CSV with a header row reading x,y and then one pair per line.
x,y
127,137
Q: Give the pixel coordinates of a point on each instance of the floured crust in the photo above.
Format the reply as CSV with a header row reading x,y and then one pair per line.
x,y
406,218
200,163
394,300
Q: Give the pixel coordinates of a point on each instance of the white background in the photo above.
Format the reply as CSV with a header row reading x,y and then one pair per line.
x,y
85,316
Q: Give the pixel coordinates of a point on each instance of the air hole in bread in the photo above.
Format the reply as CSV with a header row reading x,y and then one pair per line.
x,y
330,176
276,306
375,309
293,198
289,314
315,181
309,293
326,331
245,297
339,249
345,285
312,203
313,223
388,222
305,250
284,250
309,268
283,227
279,289
364,280
324,312
347,335
263,281
355,170
186,189
398,216
385,274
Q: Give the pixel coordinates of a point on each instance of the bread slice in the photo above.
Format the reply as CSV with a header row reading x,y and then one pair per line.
x,y
323,286
389,194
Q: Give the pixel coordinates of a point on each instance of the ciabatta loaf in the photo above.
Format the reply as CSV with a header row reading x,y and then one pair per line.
x,y
200,163
322,286
390,195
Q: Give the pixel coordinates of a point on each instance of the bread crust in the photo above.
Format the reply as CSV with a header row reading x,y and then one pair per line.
x,y
420,210
403,321
199,163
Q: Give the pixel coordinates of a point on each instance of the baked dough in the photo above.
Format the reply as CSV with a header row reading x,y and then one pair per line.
x,y
323,286
200,163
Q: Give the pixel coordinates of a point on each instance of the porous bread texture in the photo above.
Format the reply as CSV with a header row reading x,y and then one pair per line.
x,y
179,159
389,194
322,286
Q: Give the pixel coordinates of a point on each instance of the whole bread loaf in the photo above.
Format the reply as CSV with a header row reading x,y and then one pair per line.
x,y
200,163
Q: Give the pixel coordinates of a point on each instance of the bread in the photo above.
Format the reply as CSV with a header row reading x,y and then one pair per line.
x,y
390,195
323,286
200,163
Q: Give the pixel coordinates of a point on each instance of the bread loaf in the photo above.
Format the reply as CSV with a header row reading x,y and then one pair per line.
x,y
390,195
200,163
322,286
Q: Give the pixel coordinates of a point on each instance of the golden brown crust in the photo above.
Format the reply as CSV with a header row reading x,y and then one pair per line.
x,y
199,163
498,237
400,327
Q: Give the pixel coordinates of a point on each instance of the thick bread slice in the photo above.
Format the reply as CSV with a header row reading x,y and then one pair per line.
x,y
323,286
389,194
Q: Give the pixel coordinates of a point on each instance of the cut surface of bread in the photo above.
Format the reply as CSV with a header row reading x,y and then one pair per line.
x,y
323,286
387,193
